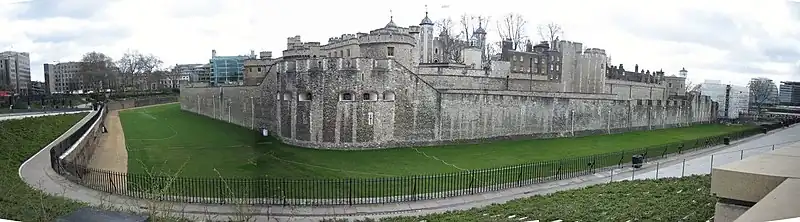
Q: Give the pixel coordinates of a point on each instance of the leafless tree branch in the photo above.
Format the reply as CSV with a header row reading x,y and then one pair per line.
x,y
550,32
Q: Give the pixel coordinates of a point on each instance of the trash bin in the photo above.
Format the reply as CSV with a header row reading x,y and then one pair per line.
x,y
726,140
637,160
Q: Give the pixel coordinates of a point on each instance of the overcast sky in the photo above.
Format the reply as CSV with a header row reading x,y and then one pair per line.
x,y
714,39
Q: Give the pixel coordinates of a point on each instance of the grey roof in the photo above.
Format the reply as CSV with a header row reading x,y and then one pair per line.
x,y
426,20
479,31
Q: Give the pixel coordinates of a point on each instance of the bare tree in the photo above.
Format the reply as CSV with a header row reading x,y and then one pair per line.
x,y
690,87
468,26
134,68
550,32
94,71
760,94
513,27
451,41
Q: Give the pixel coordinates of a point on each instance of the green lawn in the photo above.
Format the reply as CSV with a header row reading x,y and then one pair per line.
x,y
672,199
19,140
165,138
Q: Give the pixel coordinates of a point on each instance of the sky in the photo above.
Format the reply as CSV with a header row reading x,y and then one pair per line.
x,y
731,41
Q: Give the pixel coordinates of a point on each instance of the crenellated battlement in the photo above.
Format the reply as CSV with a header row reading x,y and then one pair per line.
x,y
335,64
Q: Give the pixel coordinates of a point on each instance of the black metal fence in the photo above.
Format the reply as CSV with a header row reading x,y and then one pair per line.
x,y
373,190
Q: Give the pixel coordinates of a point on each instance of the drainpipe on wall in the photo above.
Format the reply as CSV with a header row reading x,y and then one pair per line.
x,y
608,122
572,119
252,113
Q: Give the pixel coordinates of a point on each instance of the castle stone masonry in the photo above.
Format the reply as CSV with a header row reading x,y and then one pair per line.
x,y
398,86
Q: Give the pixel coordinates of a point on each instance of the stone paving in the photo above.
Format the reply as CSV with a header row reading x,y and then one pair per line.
x,y
37,173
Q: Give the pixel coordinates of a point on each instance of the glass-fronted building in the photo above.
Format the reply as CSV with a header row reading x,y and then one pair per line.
x,y
227,70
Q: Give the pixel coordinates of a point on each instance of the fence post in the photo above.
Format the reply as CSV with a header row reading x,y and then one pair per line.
x,y
658,165
773,146
415,192
741,154
712,163
633,173
519,175
683,167
350,192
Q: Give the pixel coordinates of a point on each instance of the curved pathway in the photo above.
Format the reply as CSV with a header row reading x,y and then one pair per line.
x,y
37,173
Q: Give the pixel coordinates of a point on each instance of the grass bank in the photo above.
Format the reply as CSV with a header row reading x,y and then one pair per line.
x,y
671,199
19,140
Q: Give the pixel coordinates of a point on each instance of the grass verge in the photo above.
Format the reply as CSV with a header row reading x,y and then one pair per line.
x,y
19,140
670,199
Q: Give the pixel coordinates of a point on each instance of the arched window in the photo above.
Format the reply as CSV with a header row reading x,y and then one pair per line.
x,y
304,96
287,96
346,96
388,96
369,96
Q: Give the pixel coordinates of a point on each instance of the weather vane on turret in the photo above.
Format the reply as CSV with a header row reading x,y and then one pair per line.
x,y
426,9
391,15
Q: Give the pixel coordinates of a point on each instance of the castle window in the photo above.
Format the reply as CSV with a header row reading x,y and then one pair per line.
x,y
335,55
287,96
259,69
638,102
535,60
346,97
369,118
370,97
658,102
669,85
388,96
435,51
557,68
551,67
348,52
341,52
304,97
390,51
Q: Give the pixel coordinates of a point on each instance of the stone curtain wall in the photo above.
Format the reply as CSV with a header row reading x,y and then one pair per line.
x,y
236,105
475,116
420,114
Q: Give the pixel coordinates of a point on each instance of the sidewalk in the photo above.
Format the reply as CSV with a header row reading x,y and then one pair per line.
x,y
36,172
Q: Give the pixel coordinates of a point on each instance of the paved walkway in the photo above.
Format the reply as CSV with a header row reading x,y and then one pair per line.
x,y
110,153
37,173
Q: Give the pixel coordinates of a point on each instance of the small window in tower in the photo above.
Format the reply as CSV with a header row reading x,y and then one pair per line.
x,y
304,97
558,68
335,55
435,51
370,97
348,52
551,67
390,51
259,69
669,85
287,96
341,52
388,96
346,97
369,118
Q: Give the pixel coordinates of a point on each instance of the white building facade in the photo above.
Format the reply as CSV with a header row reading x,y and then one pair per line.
x,y
733,100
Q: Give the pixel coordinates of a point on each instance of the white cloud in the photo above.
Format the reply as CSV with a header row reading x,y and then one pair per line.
x,y
714,39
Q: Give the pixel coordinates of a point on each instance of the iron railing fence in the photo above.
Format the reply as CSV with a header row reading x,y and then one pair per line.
x,y
353,191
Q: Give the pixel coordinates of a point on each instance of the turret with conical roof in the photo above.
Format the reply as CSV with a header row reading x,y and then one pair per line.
x,y
425,41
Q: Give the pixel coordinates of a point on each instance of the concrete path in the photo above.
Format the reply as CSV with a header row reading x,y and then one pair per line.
x,y
37,114
110,153
37,173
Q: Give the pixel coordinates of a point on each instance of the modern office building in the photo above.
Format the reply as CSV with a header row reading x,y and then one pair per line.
x,y
15,71
228,70
789,93
63,77
38,88
193,71
733,100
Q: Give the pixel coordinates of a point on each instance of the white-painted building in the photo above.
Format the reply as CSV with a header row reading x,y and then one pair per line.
x,y
731,102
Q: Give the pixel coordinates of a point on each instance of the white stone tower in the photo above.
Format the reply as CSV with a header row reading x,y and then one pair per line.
x,y
480,37
683,72
426,39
